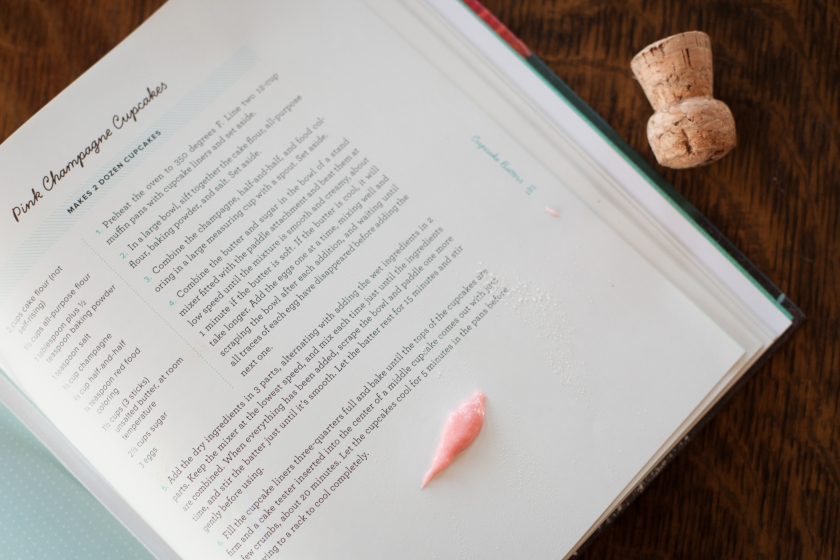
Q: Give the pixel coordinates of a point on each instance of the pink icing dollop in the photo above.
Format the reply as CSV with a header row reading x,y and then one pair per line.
x,y
461,429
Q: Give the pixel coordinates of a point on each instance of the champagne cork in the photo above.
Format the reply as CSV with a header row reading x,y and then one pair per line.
x,y
690,127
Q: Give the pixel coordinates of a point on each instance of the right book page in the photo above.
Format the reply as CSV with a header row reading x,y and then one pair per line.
x,y
756,312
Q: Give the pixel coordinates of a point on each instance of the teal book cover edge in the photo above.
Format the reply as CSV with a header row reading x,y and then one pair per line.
x,y
45,513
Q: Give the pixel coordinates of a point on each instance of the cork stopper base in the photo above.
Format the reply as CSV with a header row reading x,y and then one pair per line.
x,y
689,128
691,133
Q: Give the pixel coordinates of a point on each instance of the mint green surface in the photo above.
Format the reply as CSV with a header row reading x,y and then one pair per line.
x,y
45,513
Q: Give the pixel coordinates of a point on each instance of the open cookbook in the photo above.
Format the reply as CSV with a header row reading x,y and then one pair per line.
x,y
253,258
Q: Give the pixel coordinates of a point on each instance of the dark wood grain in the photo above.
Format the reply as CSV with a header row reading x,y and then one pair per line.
x,y
763,479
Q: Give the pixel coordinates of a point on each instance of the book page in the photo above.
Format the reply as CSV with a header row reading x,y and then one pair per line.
x,y
256,255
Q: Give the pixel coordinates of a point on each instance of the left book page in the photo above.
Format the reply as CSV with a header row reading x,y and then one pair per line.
x,y
263,245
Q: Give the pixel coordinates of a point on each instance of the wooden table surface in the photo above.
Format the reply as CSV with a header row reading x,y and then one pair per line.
x,y
763,479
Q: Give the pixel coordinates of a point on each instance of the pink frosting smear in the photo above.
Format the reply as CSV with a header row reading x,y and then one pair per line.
x,y
461,429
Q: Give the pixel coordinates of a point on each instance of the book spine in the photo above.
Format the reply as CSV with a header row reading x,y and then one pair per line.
x,y
499,27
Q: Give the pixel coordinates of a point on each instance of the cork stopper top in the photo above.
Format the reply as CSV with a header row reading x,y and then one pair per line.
x,y
676,68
